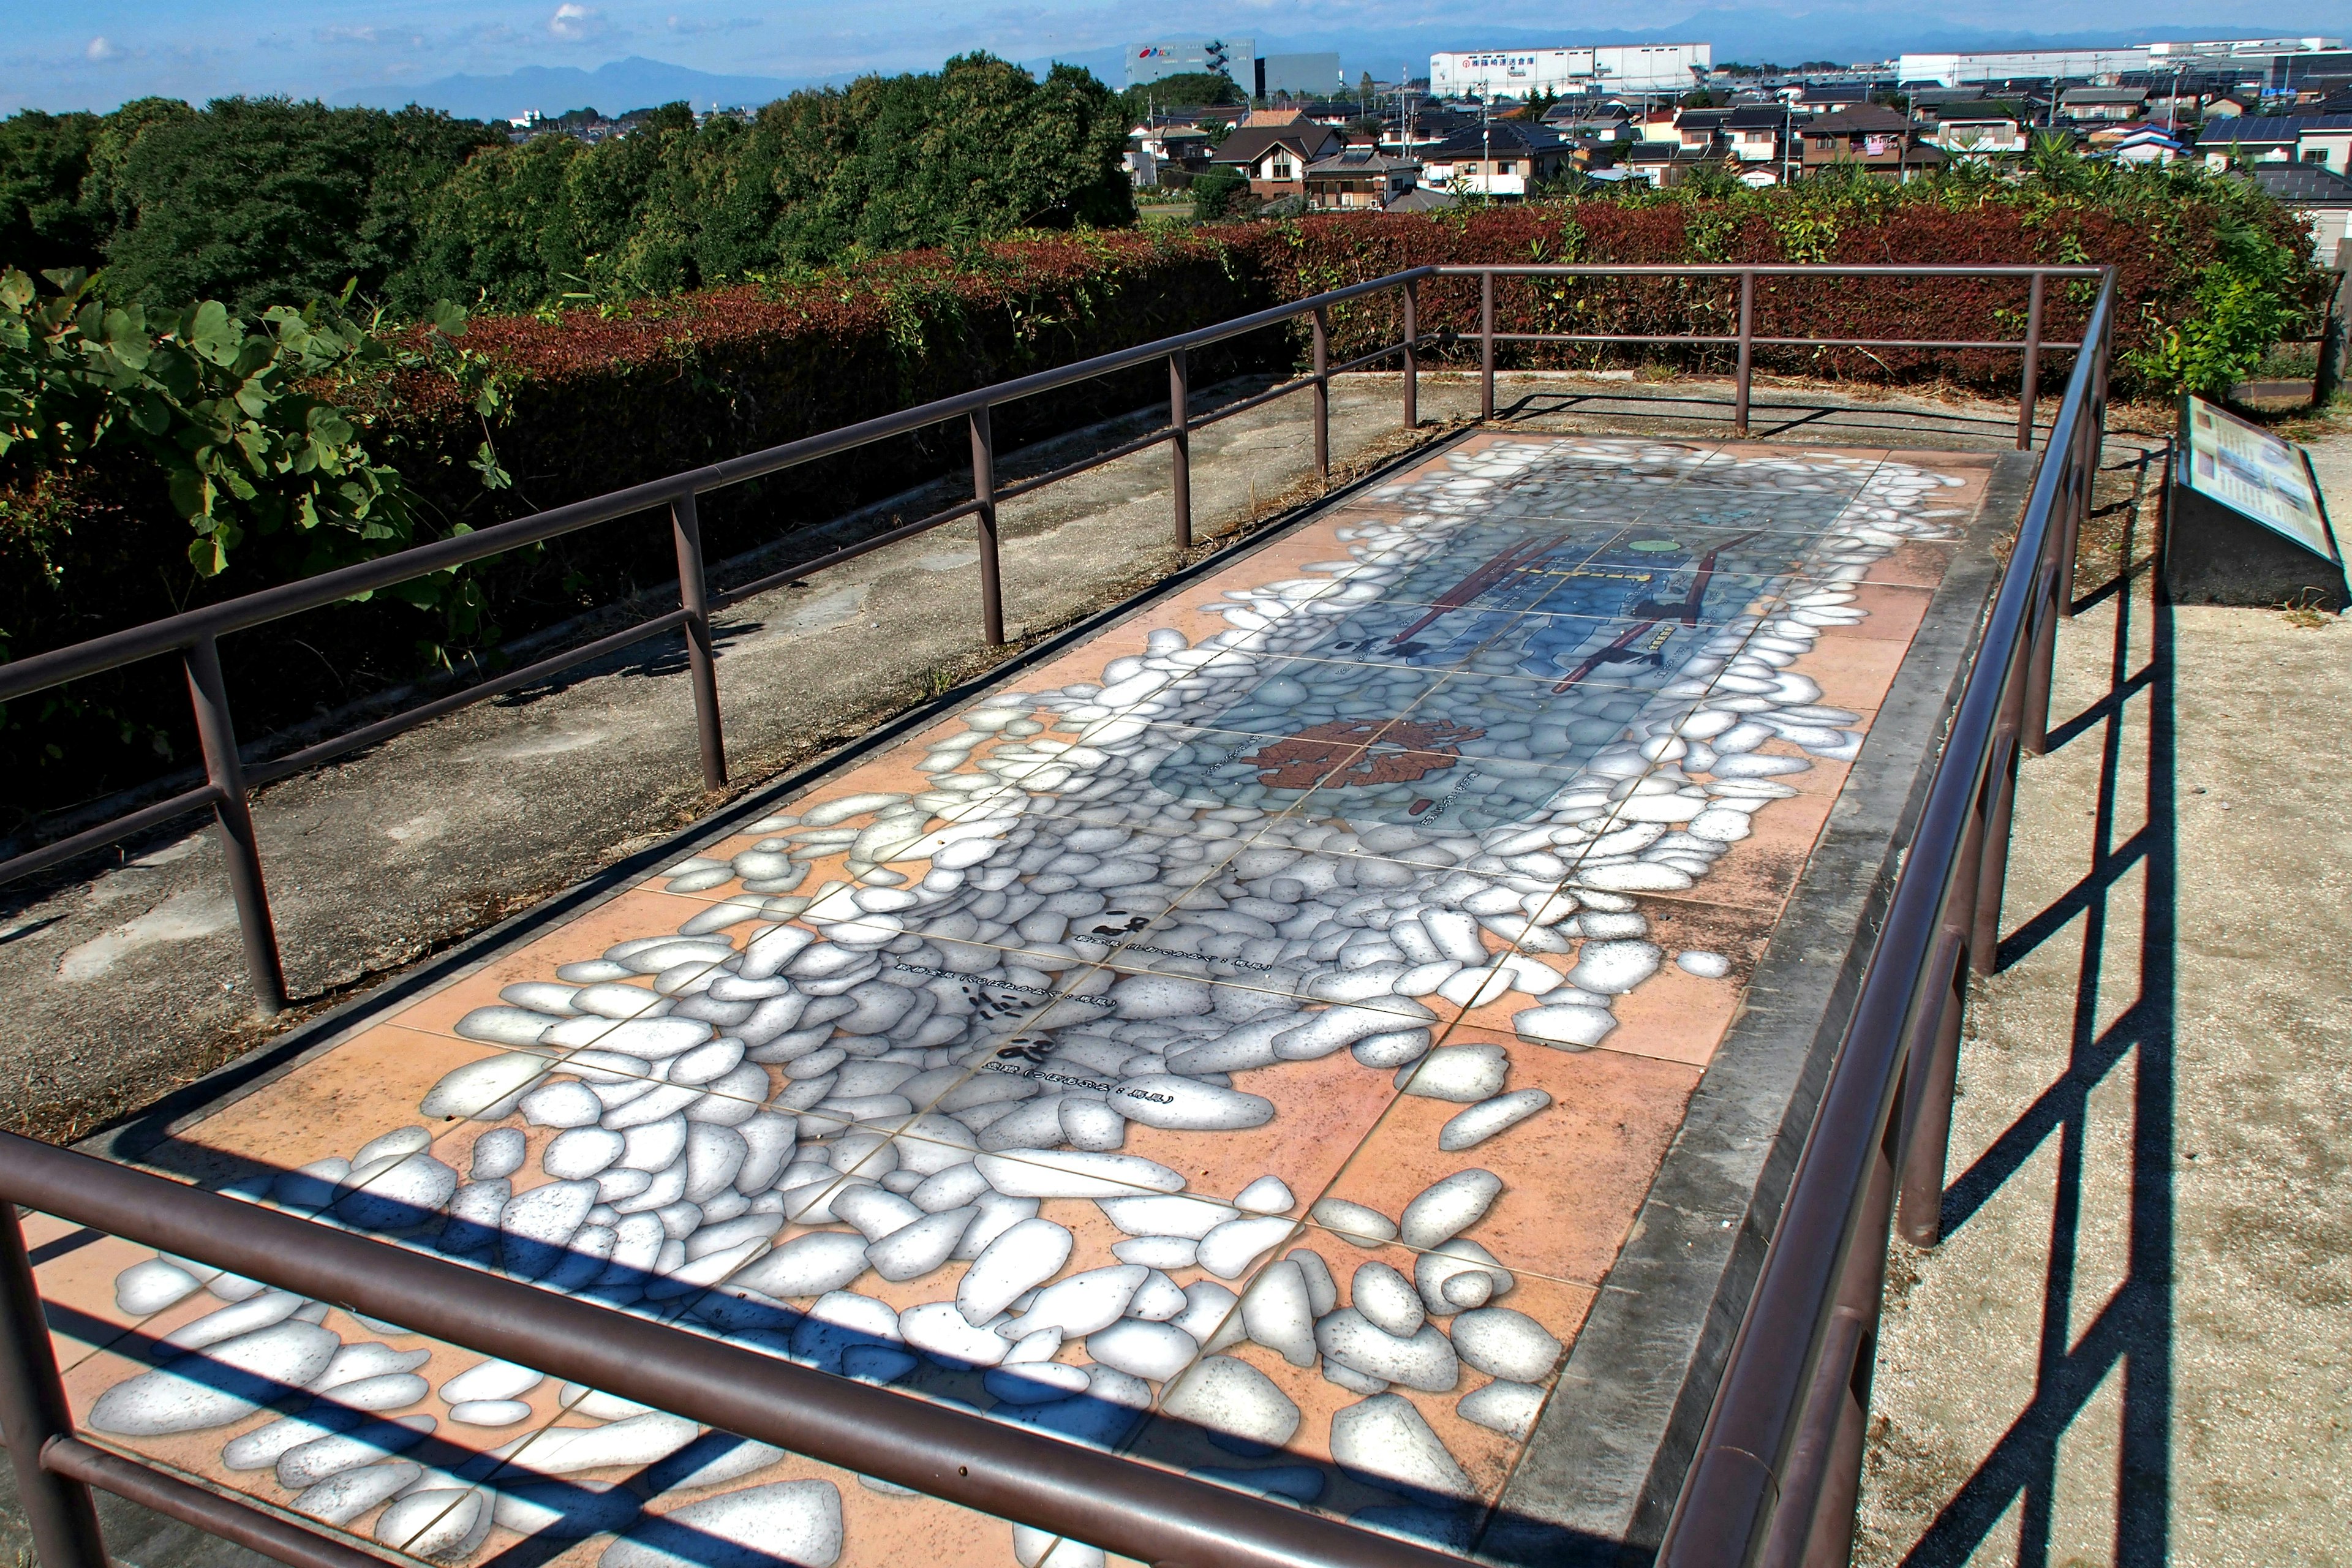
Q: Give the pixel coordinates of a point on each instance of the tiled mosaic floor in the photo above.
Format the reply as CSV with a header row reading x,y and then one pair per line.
x,y
1244,1046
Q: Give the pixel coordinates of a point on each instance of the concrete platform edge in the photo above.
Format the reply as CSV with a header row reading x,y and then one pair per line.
x,y
1600,1474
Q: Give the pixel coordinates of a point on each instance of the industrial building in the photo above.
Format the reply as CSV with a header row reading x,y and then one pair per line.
x,y
1235,58
1300,76
1955,70
1517,73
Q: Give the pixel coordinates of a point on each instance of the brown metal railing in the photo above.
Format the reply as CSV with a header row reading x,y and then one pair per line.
x,y
1775,1478
1746,340
195,635
1140,1511
1780,1463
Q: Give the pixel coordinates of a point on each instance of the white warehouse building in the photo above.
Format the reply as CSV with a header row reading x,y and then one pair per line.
x,y
1947,69
1515,73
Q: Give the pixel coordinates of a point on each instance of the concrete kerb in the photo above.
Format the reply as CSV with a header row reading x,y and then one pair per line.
x,y
1614,1441
139,1137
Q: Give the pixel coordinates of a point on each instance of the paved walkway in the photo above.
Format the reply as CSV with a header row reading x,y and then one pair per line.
x,y
1246,1036
2131,1347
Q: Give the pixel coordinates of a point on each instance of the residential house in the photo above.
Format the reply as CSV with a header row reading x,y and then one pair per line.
x,y
1421,199
1963,132
1664,163
1658,125
1165,155
1814,97
2228,105
2139,144
1361,179
1871,135
2321,197
2322,140
1274,158
1501,158
1701,127
1753,135
1605,132
2086,104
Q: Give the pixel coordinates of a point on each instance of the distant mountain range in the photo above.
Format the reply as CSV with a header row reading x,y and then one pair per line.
x,y
614,87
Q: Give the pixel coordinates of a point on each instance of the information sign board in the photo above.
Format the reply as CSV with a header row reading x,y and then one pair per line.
x,y
2257,475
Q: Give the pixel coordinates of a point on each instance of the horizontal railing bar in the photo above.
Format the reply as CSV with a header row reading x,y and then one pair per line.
x,y
1270,395
239,1523
1761,269
1109,455
722,597
45,669
513,680
201,798
2046,344
1121,1505
1362,360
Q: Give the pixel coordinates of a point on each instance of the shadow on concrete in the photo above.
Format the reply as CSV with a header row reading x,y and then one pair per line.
x,y
2135,1330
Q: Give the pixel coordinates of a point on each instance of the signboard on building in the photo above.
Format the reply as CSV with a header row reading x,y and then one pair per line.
x,y
2247,525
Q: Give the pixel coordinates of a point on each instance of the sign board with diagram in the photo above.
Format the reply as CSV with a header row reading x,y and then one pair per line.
x,y
2246,524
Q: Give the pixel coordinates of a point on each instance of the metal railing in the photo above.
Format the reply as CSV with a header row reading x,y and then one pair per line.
x,y
1157,1516
1779,1465
1775,1476
195,635
1745,340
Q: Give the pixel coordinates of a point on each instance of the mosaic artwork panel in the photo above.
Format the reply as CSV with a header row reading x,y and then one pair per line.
x,y
1195,1053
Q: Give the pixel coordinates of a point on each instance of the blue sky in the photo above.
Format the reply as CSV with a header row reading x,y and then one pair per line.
x,y
94,54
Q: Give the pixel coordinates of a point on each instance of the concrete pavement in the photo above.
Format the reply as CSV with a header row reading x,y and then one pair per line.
x,y
2131,1347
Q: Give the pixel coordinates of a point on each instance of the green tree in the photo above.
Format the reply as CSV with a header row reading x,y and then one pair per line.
x,y
1216,193
43,161
1189,89
258,202
1366,93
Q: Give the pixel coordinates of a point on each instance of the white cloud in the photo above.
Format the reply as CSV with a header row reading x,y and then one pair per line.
x,y
573,22
100,51
345,35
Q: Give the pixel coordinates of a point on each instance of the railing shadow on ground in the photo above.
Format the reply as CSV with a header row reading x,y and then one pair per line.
x,y
2133,1329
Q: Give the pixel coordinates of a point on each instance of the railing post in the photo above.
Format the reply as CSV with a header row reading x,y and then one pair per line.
x,y
208,696
1812,1523
1180,445
1323,392
1933,1072
1485,345
1413,354
1992,874
701,663
2084,461
32,1408
2030,386
983,491
1746,352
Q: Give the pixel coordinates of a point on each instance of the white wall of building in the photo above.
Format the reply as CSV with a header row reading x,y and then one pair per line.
x,y
1964,69
1996,65
1515,73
